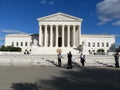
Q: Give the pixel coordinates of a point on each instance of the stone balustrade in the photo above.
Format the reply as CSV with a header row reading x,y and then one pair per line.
x,y
51,60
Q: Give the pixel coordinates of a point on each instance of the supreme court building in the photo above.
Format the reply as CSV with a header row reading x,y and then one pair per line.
x,y
61,31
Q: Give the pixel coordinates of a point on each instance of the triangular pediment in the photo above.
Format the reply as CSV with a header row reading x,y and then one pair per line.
x,y
59,17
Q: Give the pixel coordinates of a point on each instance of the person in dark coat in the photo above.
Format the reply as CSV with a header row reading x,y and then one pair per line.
x,y
69,55
59,59
116,56
82,59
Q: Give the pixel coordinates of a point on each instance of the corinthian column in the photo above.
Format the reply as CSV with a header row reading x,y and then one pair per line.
x,y
51,36
68,36
63,36
40,35
46,36
74,36
80,42
57,36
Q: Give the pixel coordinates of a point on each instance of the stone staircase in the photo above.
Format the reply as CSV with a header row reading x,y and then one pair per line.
x,y
53,51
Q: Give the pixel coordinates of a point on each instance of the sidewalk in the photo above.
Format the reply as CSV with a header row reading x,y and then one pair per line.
x,y
55,78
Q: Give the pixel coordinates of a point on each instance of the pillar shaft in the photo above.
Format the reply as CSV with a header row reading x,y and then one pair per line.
x,y
51,36
73,36
80,42
46,36
40,33
68,36
63,43
57,36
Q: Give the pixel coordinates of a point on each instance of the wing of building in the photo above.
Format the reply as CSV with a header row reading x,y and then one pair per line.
x,y
61,31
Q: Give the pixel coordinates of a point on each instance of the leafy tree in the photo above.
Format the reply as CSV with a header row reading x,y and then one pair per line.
x,y
100,50
117,49
11,49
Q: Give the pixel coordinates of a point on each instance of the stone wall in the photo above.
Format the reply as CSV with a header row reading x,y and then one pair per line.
x,y
51,60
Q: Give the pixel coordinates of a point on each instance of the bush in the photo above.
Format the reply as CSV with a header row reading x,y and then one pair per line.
x,y
100,50
117,49
11,49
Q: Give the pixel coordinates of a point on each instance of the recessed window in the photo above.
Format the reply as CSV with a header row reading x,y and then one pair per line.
x,y
98,44
93,44
21,43
12,43
25,43
102,44
89,44
16,43
107,44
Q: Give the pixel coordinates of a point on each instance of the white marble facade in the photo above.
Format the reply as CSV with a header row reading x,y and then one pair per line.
x,y
61,31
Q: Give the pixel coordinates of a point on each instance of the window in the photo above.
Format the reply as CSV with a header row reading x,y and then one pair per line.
x,y
25,43
89,51
12,43
16,43
98,44
107,44
89,44
93,44
102,44
21,43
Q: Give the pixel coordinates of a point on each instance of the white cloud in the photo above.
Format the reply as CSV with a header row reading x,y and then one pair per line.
x,y
51,3
117,23
47,2
109,10
43,1
10,31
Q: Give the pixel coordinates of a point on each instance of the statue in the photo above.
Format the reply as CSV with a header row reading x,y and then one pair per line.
x,y
59,50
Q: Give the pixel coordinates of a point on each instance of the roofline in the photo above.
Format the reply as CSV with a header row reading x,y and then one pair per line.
x,y
40,19
9,35
98,35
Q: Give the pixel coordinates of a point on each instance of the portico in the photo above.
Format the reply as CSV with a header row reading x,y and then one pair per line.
x,y
59,30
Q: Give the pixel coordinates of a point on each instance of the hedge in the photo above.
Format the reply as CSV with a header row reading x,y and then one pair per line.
x,y
11,49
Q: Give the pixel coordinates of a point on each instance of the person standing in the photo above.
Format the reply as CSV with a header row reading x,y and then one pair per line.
x,y
69,55
82,59
116,56
59,59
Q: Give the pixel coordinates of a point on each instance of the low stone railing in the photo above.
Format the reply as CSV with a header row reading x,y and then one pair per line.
x,y
51,60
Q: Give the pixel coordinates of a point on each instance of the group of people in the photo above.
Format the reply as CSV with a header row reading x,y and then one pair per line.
x,y
69,55
83,60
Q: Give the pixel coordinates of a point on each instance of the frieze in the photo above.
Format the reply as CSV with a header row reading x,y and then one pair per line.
x,y
59,17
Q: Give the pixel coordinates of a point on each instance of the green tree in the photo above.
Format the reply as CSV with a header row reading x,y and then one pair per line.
x,y
11,49
100,50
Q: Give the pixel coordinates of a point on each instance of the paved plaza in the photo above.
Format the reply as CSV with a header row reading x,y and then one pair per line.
x,y
55,78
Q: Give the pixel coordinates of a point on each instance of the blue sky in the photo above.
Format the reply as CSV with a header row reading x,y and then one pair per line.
x,y
99,16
